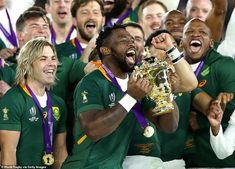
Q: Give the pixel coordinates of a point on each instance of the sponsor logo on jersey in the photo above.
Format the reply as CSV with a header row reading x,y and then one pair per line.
x,y
144,148
5,113
112,100
84,96
202,83
206,71
56,113
45,114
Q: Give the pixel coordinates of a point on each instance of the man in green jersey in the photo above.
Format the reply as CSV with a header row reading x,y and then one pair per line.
x,y
88,19
104,109
215,74
31,24
171,153
32,122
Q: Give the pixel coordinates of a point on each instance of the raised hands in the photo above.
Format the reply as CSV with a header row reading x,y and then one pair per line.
x,y
163,41
216,111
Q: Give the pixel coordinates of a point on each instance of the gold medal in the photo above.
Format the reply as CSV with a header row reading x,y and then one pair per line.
x,y
148,131
48,159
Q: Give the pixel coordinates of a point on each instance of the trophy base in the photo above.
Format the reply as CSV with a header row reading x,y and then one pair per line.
x,y
163,109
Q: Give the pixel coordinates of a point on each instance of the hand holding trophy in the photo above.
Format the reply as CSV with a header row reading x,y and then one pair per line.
x,y
157,72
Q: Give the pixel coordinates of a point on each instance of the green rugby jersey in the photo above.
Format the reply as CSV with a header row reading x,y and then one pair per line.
x,y
20,113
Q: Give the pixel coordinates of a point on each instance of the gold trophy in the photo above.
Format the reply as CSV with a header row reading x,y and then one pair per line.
x,y
157,72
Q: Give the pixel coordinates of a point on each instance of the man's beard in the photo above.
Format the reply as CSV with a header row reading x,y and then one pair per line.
x,y
84,35
125,67
118,8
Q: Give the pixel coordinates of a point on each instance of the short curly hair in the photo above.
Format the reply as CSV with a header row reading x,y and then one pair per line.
x,y
104,34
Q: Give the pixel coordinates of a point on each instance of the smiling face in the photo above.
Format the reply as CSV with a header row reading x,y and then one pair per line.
x,y
151,18
196,40
44,68
139,41
89,20
174,22
33,28
123,50
60,11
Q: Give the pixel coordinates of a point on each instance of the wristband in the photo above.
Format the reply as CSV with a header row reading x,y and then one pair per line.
x,y
178,59
127,102
170,50
173,53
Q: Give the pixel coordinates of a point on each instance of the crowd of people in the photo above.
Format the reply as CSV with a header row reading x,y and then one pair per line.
x,y
72,96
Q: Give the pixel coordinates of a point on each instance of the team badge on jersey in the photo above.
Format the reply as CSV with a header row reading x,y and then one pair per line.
x,y
56,113
5,113
84,96
112,100
33,113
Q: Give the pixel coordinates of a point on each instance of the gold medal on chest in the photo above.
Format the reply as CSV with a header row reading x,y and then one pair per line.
x,y
48,159
148,131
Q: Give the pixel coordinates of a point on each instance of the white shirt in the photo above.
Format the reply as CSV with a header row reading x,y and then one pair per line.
x,y
42,100
141,162
123,83
224,143
227,45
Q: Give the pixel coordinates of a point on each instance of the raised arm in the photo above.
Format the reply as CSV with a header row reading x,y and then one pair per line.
x,y
202,102
216,17
222,143
8,145
189,81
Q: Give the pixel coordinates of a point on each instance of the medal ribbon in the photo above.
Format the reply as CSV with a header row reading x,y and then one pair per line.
x,y
199,68
1,63
137,107
11,37
53,35
78,46
47,124
119,21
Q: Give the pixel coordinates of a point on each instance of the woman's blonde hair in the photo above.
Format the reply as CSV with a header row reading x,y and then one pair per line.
x,y
29,53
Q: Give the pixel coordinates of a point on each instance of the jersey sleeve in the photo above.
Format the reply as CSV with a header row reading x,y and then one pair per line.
x,y
88,96
77,71
226,77
12,107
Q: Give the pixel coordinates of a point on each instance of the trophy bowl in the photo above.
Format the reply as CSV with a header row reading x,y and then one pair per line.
x,y
157,72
